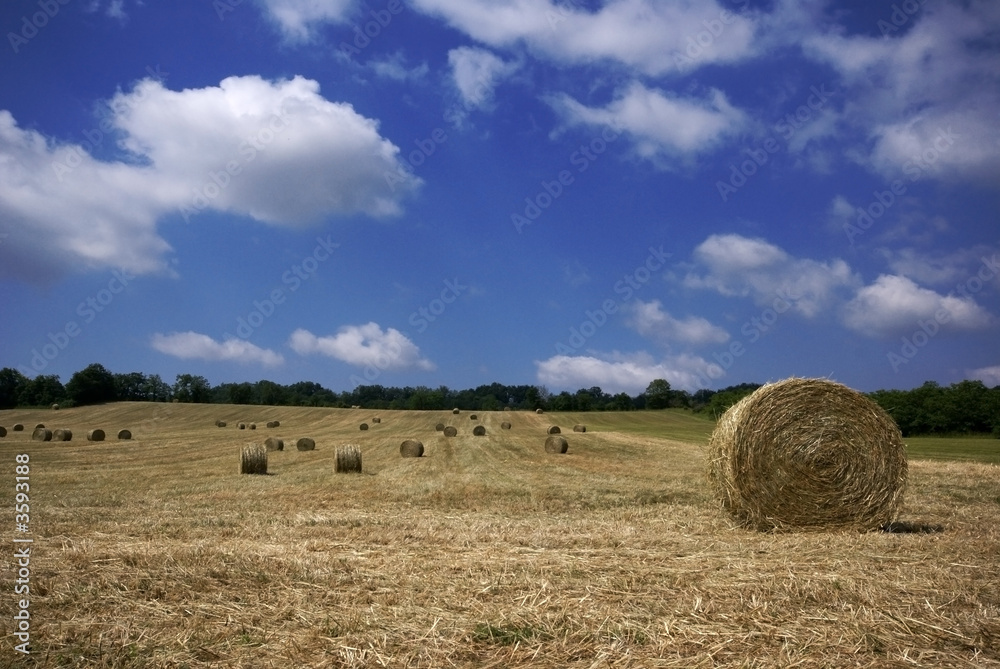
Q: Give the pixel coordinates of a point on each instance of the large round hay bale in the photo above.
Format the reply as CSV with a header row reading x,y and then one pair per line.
x,y
220,423
242,426
364,426
273,424
479,431
41,434
55,407
556,444
39,426
450,431
439,427
95,435
473,416
253,426
376,420
18,427
554,429
505,425
3,431
305,444
579,428
62,435
253,459
348,459
808,453
274,444
124,435
411,448
456,411
539,411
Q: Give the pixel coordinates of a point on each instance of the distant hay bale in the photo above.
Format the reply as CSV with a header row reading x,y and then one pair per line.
x,y
450,432
220,423
555,444
277,423
274,444
554,429
18,427
364,426
473,416
808,453
479,431
505,425
253,459
3,431
539,411
348,459
124,435
411,448
456,411
41,434
305,444
242,426
95,435
55,407
376,420
62,435
579,428
253,426
39,425
439,427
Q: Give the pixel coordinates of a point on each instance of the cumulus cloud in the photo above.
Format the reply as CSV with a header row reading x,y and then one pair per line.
x,y
988,375
735,265
276,151
394,67
618,373
299,19
475,73
363,345
895,304
196,346
651,321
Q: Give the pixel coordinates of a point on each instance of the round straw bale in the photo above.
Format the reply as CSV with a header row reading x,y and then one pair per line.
x,y
253,426
411,448
95,435
220,423
579,428
305,444
242,426
808,453
376,420
450,431
62,435
348,459
505,425
553,430
253,459
39,425
18,427
55,407
364,426
439,427
556,444
124,435
3,431
456,411
274,444
473,416
479,431
41,434
539,411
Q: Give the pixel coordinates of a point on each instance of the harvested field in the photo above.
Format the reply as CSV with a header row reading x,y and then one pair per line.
x,y
484,552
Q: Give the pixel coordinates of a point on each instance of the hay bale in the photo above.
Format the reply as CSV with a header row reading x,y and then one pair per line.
x,y
55,407
95,435
554,429
253,459
364,426
479,431
273,424
555,444
18,427
253,426
124,435
473,416
539,411
3,431
242,426
505,425
274,444
220,423
456,411
808,453
41,434
579,428
376,420
411,448
305,444
348,459
439,427
450,432
40,426
62,435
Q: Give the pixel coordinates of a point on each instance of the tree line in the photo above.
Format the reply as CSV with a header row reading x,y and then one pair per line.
x,y
966,407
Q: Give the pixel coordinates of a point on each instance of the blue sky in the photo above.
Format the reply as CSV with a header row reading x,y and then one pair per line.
x,y
569,194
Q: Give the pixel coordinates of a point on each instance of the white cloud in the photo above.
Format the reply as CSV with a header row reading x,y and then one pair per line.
x,y
988,375
651,321
275,151
298,19
363,345
623,373
944,269
741,266
895,304
394,67
476,72
195,346
664,126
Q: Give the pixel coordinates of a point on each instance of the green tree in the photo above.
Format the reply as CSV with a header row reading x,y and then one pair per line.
x,y
658,394
12,384
156,389
130,387
189,388
92,385
42,390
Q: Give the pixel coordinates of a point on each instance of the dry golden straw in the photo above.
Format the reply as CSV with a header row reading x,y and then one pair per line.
x,y
348,459
808,453
41,434
253,459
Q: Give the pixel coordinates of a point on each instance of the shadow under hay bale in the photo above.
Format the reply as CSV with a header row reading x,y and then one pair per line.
x,y
555,444
907,527
450,431
253,459
809,454
305,444
41,434
505,425
579,428
364,426
124,435
95,435
274,444
411,448
62,435
439,427
554,429
479,431
18,427
348,459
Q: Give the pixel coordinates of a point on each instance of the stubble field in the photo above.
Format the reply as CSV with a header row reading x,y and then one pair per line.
x,y
487,552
